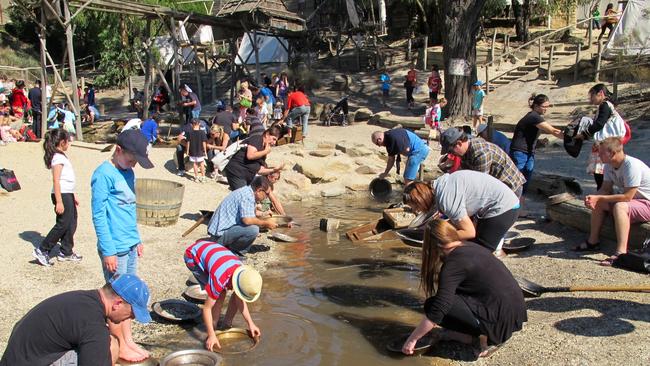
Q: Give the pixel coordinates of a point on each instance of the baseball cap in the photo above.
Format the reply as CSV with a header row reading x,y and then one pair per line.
x,y
478,83
481,128
134,291
448,138
134,142
247,283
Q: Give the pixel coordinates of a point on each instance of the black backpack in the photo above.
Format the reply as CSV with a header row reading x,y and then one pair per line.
x,y
637,261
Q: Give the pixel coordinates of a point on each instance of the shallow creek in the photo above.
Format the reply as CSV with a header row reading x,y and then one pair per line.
x,y
330,302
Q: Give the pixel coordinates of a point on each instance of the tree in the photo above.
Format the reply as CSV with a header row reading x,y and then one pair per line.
x,y
460,20
522,19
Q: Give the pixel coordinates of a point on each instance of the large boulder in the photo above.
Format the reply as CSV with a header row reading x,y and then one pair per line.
x,y
333,192
362,114
296,180
367,169
311,169
359,151
316,110
341,82
376,118
321,153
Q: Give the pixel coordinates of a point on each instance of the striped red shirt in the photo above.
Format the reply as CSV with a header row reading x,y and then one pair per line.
x,y
214,259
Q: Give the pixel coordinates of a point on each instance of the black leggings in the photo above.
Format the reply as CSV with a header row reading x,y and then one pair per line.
x,y
459,318
604,28
489,232
64,228
409,94
599,180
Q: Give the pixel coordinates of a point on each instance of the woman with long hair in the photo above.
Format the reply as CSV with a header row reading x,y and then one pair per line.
x,y
65,201
470,293
611,18
480,207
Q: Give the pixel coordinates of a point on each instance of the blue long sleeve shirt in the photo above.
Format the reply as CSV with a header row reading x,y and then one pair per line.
x,y
113,208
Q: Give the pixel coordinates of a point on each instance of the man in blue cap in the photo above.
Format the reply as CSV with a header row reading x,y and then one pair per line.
x,y
70,328
114,217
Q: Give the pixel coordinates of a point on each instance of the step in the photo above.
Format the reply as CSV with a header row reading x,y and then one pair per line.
x,y
518,73
510,78
563,53
530,67
500,82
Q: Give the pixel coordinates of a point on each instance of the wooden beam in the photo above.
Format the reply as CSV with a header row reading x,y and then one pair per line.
x,y
146,99
44,103
82,7
73,68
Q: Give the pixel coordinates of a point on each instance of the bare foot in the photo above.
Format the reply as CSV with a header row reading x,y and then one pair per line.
x,y
130,355
136,348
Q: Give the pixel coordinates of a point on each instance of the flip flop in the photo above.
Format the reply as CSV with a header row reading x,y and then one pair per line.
x,y
609,261
489,351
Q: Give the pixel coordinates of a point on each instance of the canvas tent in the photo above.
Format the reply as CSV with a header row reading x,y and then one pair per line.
x,y
272,49
631,37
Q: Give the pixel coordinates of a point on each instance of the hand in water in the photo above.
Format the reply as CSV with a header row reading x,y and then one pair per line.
x,y
211,341
409,346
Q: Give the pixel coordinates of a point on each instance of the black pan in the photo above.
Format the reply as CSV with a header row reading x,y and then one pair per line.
x,y
411,237
421,347
518,245
531,289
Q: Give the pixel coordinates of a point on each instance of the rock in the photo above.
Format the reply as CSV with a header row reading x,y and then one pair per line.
x,y
343,146
293,196
300,153
357,187
358,151
333,192
316,111
296,180
338,153
311,169
376,118
342,82
321,153
326,145
338,167
362,114
366,169
350,118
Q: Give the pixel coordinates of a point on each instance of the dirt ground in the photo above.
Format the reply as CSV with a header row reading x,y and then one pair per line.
x,y
567,328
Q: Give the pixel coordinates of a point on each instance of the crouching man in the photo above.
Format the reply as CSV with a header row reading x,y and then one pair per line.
x,y
218,270
632,177
70,328
234,224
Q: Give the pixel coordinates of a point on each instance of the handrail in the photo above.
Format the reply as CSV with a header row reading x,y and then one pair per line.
x,y
536,40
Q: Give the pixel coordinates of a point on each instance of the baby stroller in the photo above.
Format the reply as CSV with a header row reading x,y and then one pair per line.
x,y
338,114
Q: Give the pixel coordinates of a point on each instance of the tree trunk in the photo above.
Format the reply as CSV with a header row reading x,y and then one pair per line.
x,y
460,19
522,20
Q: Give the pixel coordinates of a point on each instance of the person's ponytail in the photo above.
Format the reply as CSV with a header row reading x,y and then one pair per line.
x,y
50,144
602,88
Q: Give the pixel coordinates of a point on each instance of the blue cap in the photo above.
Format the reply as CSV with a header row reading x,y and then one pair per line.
x,y
134,142
478,83
134,291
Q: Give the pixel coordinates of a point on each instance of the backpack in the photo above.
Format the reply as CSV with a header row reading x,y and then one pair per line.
x,y
222,158
637,261
28,134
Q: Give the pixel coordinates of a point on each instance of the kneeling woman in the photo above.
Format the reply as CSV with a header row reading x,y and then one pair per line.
x,y
471,294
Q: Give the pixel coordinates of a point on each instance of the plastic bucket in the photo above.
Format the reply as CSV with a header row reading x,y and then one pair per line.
x,y
158,202
380,188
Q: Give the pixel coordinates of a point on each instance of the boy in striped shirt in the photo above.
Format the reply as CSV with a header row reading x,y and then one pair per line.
x,y
218,270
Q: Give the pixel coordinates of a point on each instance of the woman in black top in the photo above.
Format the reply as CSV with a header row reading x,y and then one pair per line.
x,y
248,162
471,294
527,131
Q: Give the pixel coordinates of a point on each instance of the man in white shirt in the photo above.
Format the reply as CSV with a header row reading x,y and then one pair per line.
x,y
632,177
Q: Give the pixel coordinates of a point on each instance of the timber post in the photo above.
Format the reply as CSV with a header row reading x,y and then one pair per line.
x,y
550,62
73,69
539,53
44,103
615,81
576,71
598,60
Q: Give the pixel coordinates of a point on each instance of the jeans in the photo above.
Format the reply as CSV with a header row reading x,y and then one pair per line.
x,y
239,238
127,263
64,228
525,163
301,112
413,163
196,113
36,126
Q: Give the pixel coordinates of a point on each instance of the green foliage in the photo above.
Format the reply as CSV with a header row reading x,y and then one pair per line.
x,y
493,8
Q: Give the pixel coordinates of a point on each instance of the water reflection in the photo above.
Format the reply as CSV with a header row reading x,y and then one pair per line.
x,y
368,296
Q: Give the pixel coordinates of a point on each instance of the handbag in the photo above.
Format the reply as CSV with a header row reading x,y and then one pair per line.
x,y
8,180
246,103
222,158
614,127
637,261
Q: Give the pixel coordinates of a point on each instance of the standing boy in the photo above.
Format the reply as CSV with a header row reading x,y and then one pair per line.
x,y
113,208
196,149
385,87
477,104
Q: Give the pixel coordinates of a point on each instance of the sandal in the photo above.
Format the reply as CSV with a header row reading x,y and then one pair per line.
x,y
489,351
586,246
610,261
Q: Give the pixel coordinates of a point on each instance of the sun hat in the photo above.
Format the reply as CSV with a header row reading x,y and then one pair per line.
x,y
448,138
482,127
134,142
247,283
478,83
134,291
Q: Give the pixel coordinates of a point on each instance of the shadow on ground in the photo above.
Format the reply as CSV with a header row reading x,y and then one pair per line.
x,y
368,296
33,237
612,321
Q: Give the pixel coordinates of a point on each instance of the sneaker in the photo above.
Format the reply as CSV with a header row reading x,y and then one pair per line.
x,y
42,258
69,258
180,173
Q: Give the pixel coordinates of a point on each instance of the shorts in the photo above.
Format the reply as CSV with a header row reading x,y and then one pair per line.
x,y
638,210
477,112
127,263
413,163
385,93
200,275
197,159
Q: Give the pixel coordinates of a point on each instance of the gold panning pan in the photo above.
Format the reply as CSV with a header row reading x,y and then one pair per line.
x,y
235,341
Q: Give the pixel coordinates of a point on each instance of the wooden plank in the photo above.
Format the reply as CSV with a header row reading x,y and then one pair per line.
x,y
574,214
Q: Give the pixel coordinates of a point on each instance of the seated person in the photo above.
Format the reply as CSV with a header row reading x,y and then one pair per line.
x,y
92,114
471,294
479,206
248,162
632,177
270,205
70,328
218,270
227,120
8,134
218,141
234,224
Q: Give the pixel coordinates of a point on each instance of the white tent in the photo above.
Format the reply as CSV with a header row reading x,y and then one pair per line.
x,y
271,49
631,37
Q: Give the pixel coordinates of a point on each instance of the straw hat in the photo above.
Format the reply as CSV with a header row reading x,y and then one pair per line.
x,y
247,283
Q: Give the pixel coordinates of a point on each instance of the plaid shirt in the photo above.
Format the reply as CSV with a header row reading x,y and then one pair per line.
x,y
488,158
238,204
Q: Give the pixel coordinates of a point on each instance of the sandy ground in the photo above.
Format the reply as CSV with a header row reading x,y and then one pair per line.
x,y
569,329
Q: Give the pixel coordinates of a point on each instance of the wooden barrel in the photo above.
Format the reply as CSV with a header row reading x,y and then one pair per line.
x,y
158,202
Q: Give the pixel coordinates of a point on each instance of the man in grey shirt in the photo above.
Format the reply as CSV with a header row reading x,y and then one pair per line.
x,y
466,195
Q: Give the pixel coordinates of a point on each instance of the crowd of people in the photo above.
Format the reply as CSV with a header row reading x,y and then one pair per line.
x,y
470,293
